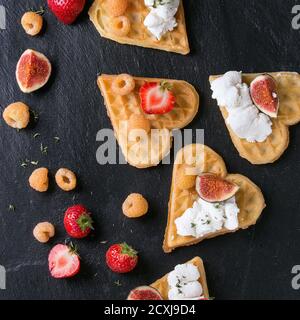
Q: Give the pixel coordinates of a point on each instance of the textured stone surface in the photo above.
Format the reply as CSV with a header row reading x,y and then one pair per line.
x,y
246,35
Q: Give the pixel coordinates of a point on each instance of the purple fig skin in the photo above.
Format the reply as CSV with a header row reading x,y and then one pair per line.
x,y
212,188
144,293
264,93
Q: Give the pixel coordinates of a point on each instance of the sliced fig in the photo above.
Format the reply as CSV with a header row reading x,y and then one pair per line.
x,y
263,90
33,71
212,188
144,293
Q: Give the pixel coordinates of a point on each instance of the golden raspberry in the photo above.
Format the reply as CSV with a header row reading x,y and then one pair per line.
x,y
32,23
43,231
66,179
123,84
17,115
116,8
120,26
184,180
135,206
39,180
139,122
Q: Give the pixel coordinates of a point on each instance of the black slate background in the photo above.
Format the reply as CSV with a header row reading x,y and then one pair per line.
x,y
246,35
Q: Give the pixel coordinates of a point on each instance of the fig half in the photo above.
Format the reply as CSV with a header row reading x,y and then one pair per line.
x,y
144,293
263,90
33,71
212,188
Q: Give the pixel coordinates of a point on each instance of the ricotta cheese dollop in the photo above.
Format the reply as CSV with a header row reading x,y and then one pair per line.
x,y
184,283
205,217
244,118
161,17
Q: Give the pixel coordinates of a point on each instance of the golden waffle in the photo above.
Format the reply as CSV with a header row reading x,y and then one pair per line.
x,y
149,152
249,198
163,287
175,41
274,146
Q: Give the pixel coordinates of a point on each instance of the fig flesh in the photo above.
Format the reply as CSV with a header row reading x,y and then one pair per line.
x,y
33,71
144,293
212,188
264,93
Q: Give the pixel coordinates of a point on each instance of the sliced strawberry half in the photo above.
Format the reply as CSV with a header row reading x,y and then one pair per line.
x,y
63,261
157,98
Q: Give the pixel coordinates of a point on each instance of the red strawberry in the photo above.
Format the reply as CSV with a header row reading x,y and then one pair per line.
x,y
66,10
157,98
63,261
78,222
121,258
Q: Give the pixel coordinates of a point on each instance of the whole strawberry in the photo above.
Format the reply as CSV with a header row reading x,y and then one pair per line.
x,y
121,258
66,10
78,222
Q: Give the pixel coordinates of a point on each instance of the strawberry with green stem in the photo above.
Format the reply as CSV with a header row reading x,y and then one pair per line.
x,y
121,258
78,222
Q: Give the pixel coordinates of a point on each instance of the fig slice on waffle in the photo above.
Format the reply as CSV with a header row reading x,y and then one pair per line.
x,y
201,159
283,109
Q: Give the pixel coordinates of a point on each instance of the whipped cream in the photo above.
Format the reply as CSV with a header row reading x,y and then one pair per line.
x,y
244,117
161,17
205,217
184,283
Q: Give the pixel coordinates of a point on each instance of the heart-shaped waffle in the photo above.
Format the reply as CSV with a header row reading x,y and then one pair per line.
x,y
162,285
249,198
148,152
288,85
174,41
